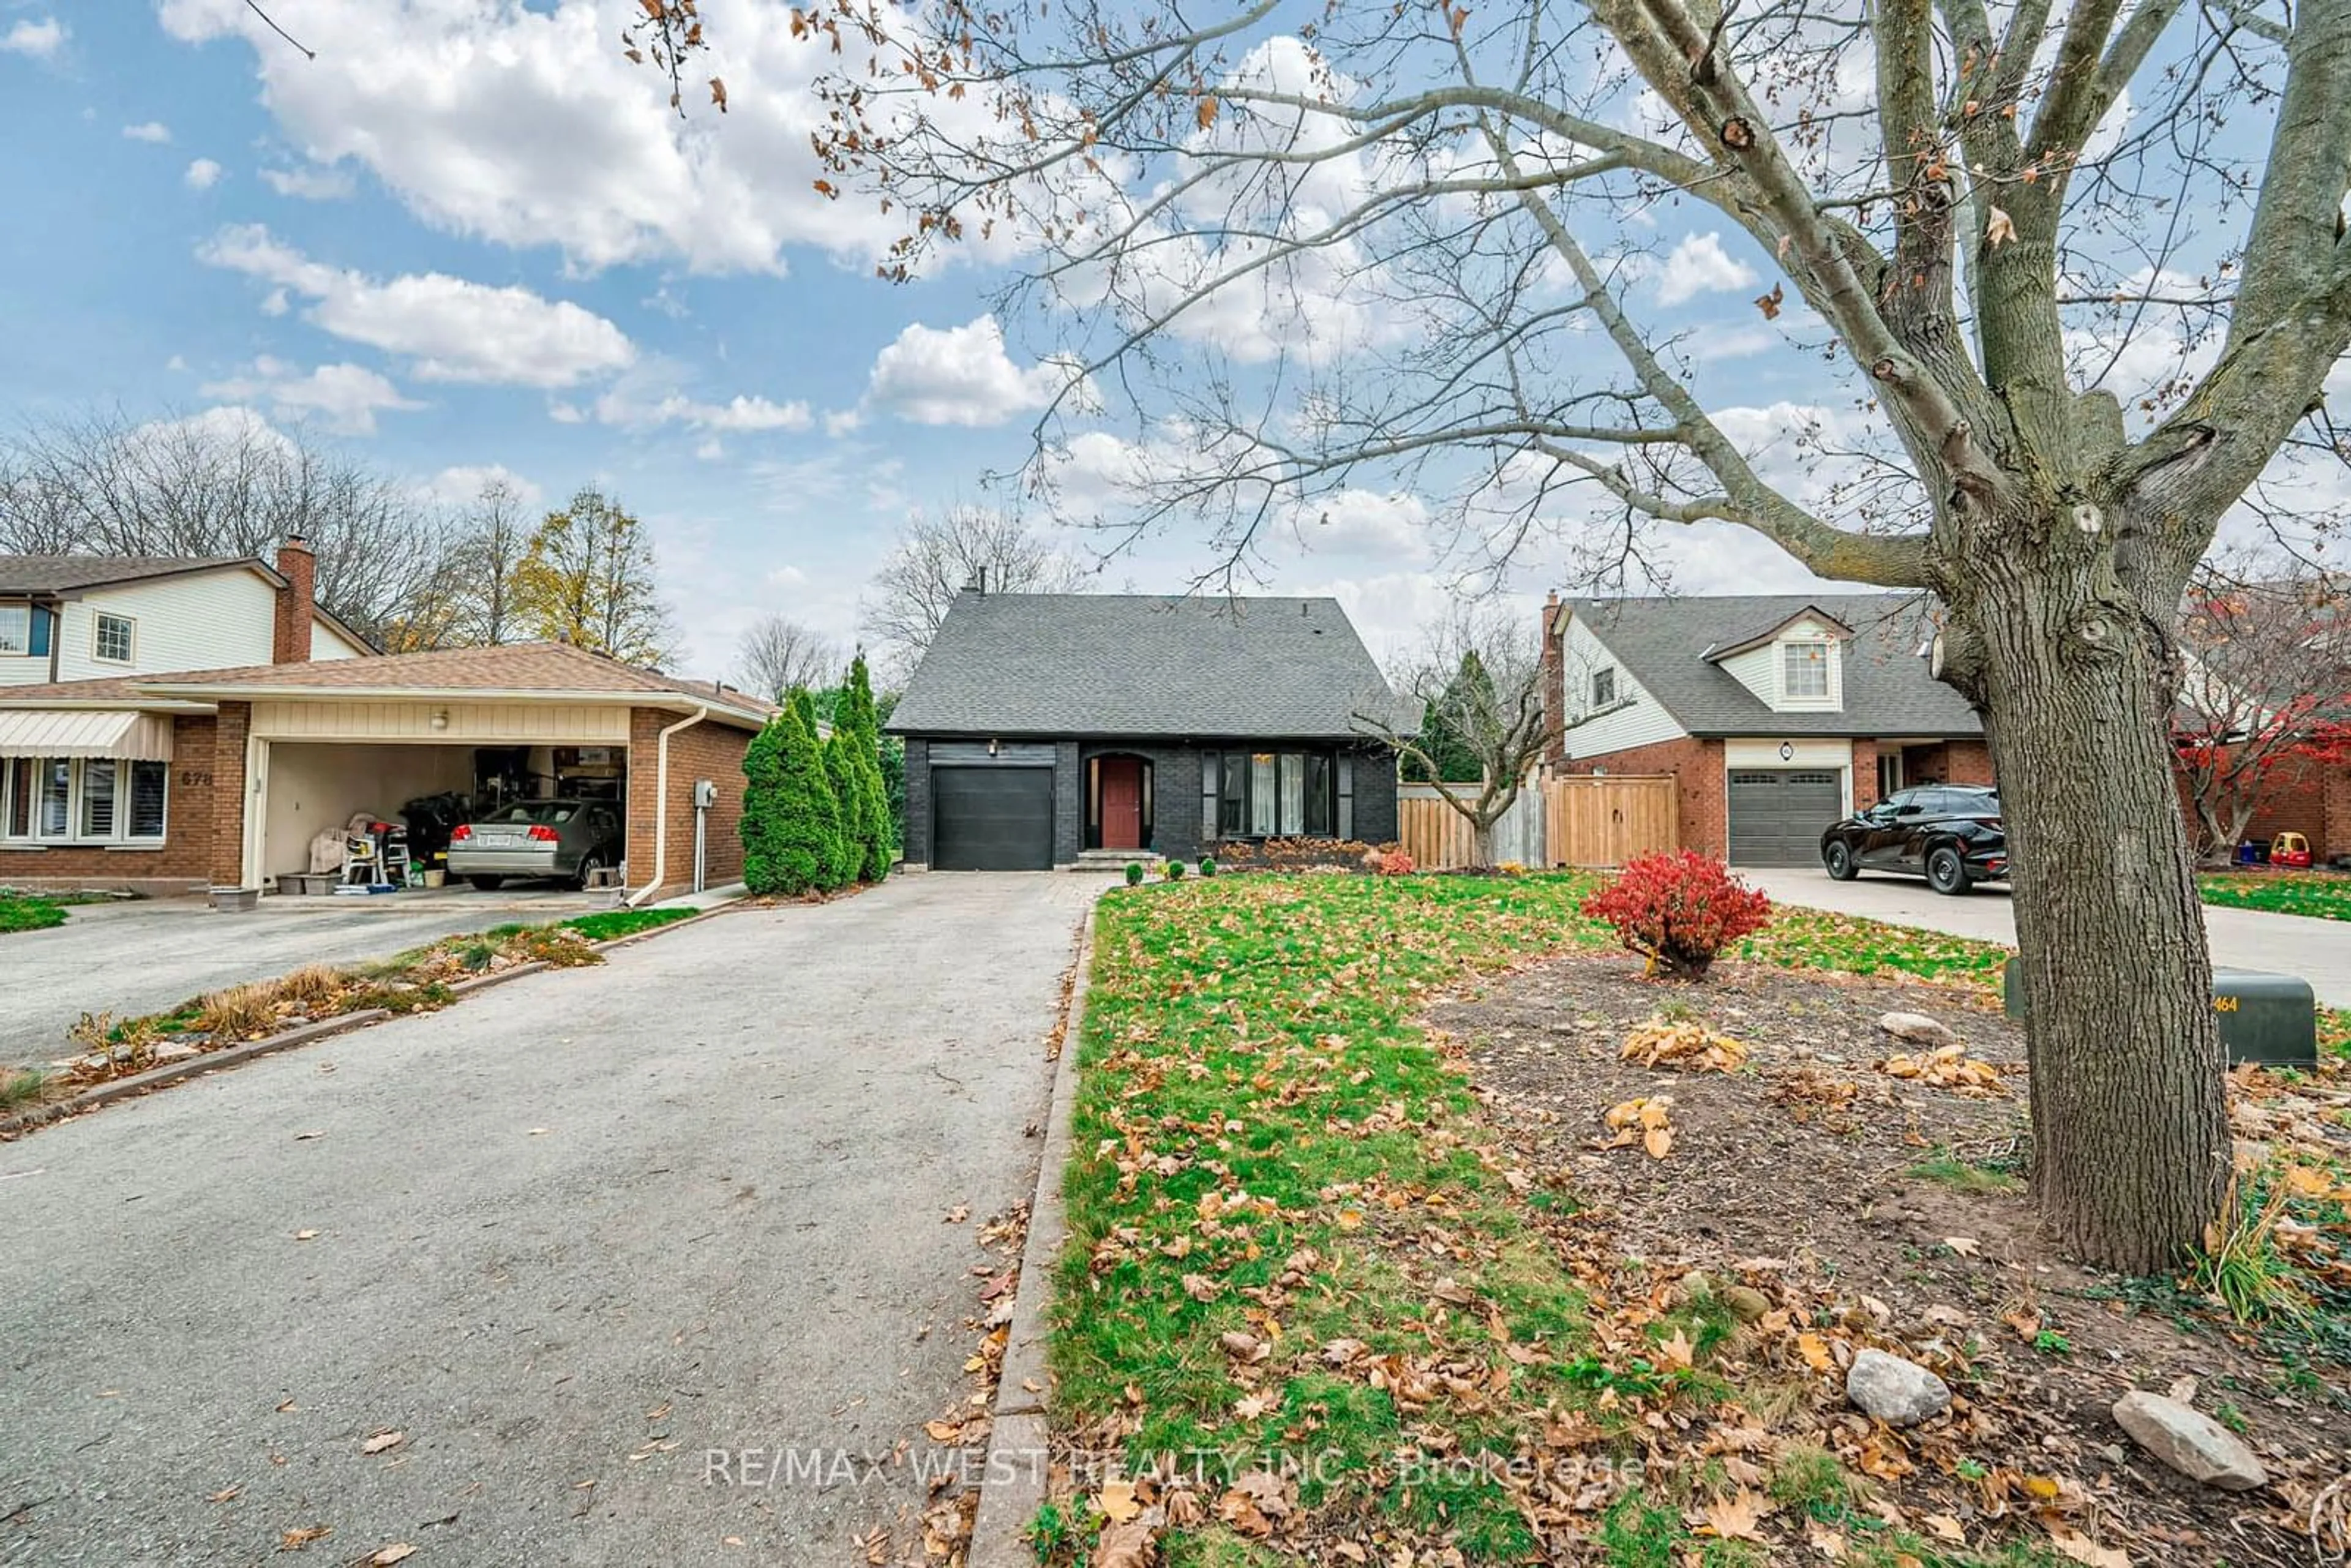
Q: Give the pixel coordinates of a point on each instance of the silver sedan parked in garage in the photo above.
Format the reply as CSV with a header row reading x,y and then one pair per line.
x,y
572,840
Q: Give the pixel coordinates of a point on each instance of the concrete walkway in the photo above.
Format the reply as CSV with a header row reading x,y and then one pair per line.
x,y
570,1238
2317,950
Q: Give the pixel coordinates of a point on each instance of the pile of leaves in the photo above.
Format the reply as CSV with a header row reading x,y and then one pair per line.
x,y
1946,1067
1688,1046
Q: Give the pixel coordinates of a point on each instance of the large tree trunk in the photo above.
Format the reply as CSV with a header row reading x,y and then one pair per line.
x,y
2130,1135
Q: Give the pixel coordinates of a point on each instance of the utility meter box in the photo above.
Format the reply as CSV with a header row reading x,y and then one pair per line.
x,y
705,794
2271,1020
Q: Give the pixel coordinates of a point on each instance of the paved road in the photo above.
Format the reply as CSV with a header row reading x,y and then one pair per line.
x,y
571,1234
146,956
2317,950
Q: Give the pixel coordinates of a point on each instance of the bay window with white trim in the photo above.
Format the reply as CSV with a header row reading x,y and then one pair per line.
x,y
96,802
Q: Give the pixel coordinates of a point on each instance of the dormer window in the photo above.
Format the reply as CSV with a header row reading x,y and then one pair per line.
x,y
1804,671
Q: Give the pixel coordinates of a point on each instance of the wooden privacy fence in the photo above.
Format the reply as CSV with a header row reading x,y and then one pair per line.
x,y
1607,819
1574,820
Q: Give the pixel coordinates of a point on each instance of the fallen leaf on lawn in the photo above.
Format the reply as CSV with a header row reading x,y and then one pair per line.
x,y
1350,1220
295,1540
1965,1245
382,1440
1200,1288
1676,1350
2026,1324
998,1285
305,1235
1242,1514
223,1494
1124,1545
1657,1142
2183,1391
398,1552
1238,1344
1117,1502
1815,1351
1733,1518
1950,1529
2080,1548
1829,1543
943,1431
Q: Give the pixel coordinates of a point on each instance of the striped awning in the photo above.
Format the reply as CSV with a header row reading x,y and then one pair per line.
x,y
87,732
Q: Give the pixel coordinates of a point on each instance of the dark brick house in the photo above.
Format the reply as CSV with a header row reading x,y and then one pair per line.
x,y
1776,715
1042,727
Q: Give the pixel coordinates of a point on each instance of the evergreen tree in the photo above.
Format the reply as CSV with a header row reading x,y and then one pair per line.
x,y
848,794
856,711
1456,758
791,816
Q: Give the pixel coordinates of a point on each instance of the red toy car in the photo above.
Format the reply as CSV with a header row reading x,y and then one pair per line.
x,y
2290,849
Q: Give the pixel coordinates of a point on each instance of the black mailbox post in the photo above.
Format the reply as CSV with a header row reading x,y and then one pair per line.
x,y
2268,1019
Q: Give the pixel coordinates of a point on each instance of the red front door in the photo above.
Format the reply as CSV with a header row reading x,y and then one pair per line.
x,y
1122,802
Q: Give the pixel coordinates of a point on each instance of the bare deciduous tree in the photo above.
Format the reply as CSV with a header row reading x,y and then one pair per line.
x,y
2267,688
1412,243
221,483
493,541
937,558
1477,681
778,654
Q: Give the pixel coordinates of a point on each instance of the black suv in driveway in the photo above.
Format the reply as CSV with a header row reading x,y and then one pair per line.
x,y
1949,833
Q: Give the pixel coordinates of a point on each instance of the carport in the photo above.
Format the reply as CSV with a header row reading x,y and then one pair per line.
x,y
299,748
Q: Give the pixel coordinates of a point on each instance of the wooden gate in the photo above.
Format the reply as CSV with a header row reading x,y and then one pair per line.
x,y
1607,819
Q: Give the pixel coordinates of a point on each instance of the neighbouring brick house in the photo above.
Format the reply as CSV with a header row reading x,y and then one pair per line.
x,y
1040,729
1775,715
229,773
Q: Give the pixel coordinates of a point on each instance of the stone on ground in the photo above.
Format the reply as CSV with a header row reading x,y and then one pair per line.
x,y
1917,1028
1897,1392
2189,1442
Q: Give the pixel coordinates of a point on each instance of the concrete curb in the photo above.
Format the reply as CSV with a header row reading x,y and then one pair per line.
x,y
1013,1482
303,1034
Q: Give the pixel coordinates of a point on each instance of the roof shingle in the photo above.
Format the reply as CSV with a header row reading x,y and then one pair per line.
x,y
1130,664
1664,643
72,573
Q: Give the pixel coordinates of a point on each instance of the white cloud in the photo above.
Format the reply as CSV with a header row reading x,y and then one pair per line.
x,y
202,175
344,398
1698,264
35,40
464,483
711,450
153,131
311,183
843,420
647,397
452,329
523,125
959,375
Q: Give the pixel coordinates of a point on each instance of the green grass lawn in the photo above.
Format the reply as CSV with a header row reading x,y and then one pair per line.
x,y
2326,895
1278,1181
21,912
607,923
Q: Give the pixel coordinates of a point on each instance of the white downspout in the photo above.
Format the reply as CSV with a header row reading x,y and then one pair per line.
x,y
660,804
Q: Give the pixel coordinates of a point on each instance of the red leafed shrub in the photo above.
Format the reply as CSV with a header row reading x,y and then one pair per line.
x,y
1395,863
1680,911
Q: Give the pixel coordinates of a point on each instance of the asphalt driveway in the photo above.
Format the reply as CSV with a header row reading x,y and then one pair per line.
x,y
2317,950
570,1238
145,955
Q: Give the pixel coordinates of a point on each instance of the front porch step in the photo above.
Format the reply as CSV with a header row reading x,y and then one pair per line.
x,y
1115,862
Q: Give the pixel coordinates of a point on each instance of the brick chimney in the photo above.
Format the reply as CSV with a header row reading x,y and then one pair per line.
x,y
1554,685
296,601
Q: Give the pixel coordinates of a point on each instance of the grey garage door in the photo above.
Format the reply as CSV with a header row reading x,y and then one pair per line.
x,y
992,819
1776,817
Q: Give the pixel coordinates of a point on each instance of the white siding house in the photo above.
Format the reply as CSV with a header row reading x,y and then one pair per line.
x,y
201,620
1628,716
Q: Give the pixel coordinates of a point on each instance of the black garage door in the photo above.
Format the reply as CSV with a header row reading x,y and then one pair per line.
x,y
1776,817
992,819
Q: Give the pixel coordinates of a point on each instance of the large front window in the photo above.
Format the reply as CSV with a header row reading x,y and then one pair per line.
x,y
82,800
1278,795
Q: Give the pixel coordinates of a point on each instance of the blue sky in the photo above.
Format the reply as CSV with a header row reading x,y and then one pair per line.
x,y
468,237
